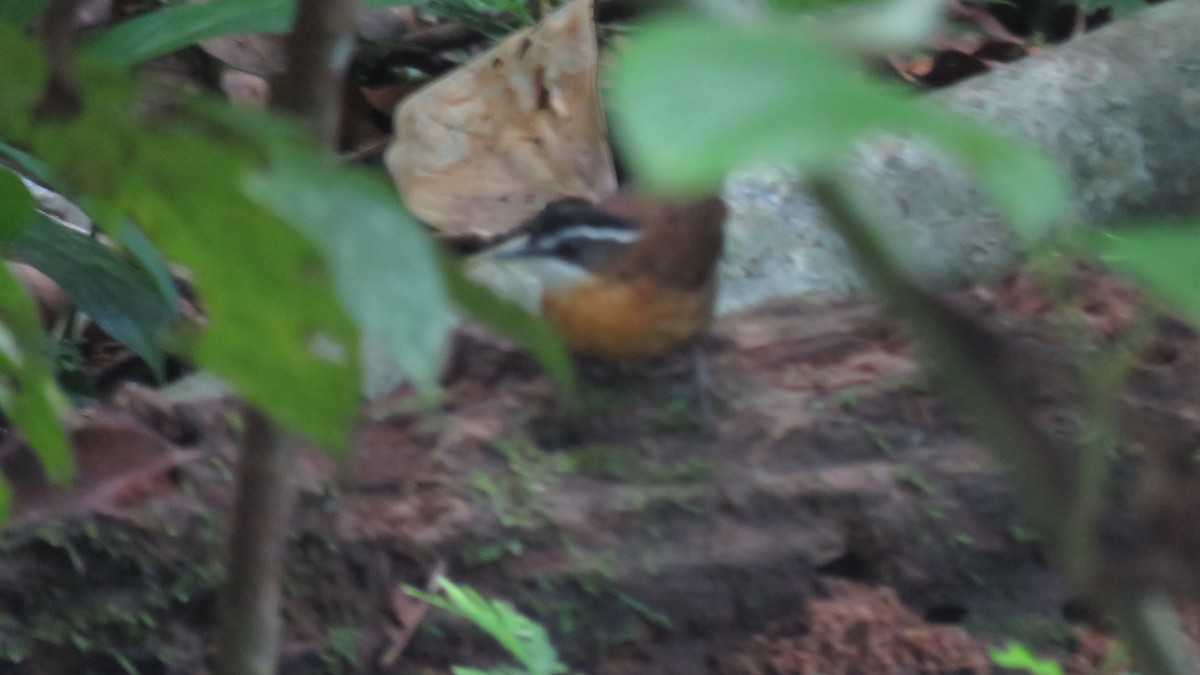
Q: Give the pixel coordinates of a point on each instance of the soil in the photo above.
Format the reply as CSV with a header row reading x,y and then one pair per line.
x,y
833,516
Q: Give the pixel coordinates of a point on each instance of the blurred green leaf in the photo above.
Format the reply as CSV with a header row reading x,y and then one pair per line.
x,y
693,99
814,5
28,393
5,502
882,27
174,27
119,296
28,164
21,12
19,208
276,330
510,320
1121,8
1162,255
383,264
142,250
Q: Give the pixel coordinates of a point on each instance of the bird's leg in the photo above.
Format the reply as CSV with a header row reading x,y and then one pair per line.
x,y
702,381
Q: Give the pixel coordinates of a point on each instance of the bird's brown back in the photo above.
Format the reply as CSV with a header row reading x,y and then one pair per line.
x,y
682,247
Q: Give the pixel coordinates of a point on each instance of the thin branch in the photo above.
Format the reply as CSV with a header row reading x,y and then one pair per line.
x,y
442,37
318,51
248,637
1047,473
61,98
973,361
1152,634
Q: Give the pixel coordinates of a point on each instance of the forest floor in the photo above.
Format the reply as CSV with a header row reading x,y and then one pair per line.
x,y
834,516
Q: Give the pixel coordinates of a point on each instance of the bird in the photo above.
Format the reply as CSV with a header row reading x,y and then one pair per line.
x,y
628,279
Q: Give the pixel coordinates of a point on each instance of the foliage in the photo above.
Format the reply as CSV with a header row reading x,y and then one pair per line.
x,y
121,295
797,101
276,329
514,498
524,639
1162,255
179,25
293,256
1017,657
493,18
21,12
1119,8
385,269
28,394
510,320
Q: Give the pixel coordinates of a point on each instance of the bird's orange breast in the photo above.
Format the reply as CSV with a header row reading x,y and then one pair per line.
x,y
628,321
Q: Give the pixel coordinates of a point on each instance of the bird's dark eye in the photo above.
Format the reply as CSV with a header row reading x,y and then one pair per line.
x,y
568,249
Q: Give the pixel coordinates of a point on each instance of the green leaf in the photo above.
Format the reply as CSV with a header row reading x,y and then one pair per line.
x,y
511,320
21,12
276,331
142,250
814,5
119,296
5,502
693,99
1162,255
383,265
19,208
30,165
172,28
28,392
522,637
1122,8
1018,657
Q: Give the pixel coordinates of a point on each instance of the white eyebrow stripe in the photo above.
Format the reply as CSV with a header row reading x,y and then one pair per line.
x,y
617,234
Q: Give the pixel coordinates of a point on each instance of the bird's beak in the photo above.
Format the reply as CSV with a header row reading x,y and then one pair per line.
x,y
513,249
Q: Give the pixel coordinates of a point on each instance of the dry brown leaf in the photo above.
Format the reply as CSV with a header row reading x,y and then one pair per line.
x,y
260,55
52,302
389,24
409,613
245,89
118,461
489,144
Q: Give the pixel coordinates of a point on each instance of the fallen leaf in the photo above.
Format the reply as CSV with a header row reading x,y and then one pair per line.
x,y
387,24
489,144
245,88
52,302
260,55
119,462
409,613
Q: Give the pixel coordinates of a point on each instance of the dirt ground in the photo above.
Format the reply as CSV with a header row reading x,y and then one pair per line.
x,y
834,517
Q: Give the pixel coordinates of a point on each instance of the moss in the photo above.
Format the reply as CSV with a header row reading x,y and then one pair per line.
x,y
847,399
515,497
677,415
612,462
909,476
342,653
479,553
105,590
691,470
602,461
